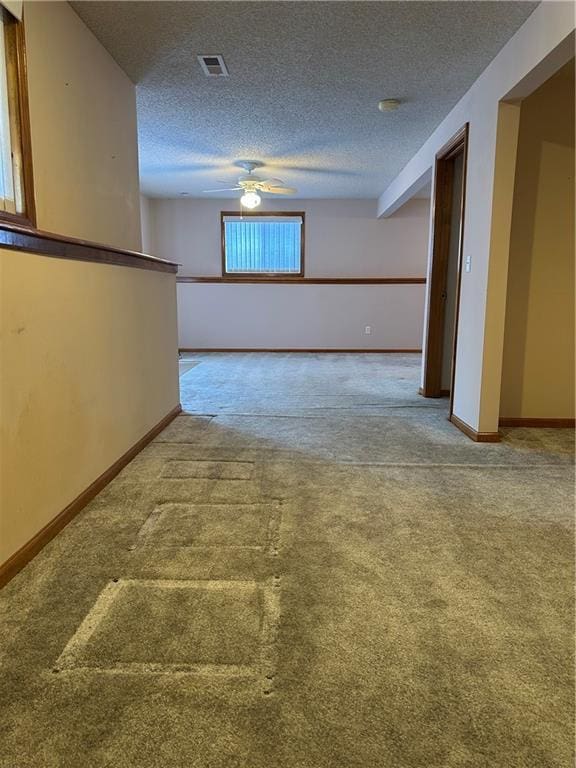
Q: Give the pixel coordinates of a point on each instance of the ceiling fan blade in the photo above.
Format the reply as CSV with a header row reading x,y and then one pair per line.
x,y
222,189
273,182
279,190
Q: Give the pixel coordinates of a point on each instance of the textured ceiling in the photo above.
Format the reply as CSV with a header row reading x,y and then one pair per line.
x,y
305,80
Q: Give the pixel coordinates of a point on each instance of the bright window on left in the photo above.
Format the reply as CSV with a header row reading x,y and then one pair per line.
x,y
16,192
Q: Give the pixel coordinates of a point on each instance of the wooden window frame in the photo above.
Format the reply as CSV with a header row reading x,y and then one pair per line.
x,y
19,111
264,276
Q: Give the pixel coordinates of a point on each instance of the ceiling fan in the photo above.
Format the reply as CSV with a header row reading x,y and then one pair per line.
x,y
251,185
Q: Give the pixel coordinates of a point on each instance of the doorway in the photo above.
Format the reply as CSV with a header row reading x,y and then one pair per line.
x,y
538,361
445,275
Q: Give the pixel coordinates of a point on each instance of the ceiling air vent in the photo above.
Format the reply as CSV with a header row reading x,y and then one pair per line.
x,y
213,65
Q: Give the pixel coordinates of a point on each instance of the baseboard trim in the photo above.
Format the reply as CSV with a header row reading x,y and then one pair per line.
x,y
315,350
19,559
541,423
478,437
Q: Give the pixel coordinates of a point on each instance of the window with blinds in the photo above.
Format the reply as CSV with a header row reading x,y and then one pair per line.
x,y
16,194
262,244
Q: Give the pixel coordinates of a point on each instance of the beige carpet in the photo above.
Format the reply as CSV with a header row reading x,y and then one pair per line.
x,y
311,569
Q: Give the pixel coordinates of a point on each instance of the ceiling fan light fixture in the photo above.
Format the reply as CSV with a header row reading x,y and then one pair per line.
x,y
250,185
250,200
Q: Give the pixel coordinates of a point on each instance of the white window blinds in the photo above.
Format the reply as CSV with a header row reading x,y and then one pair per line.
x,y
263,244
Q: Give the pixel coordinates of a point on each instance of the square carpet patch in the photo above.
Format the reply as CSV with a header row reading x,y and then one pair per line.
x,y
235,526
212,470
175,626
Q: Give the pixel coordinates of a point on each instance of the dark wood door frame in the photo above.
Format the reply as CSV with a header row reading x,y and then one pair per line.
x,y
442,214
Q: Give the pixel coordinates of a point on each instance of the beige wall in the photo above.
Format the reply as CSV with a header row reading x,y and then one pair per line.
x,y
83,124
146,224
343,239
88,367
538,365
87,350
300,316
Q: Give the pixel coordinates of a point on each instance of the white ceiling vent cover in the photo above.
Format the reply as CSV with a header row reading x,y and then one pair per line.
x,y
213,65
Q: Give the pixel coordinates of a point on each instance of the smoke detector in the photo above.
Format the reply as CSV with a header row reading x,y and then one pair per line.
x,y
388,105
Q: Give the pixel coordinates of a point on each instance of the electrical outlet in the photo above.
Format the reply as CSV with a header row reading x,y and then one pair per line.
x,y
368,330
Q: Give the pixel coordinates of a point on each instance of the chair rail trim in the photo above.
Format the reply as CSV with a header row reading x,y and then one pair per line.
x,y
20,238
